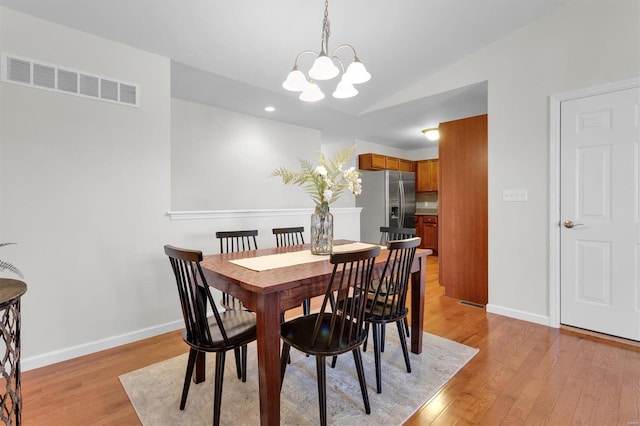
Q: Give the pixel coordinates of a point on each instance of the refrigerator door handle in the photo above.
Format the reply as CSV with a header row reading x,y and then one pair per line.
x,y
402,206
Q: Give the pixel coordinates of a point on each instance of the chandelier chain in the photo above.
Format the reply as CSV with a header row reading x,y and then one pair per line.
x,y
326,30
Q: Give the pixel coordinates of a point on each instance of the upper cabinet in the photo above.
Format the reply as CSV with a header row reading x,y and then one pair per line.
x,y
406,165
382,162
427,175
372,162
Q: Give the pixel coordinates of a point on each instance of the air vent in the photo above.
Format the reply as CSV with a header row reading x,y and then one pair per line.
x,y
128,94
109,90
40,75
44,76
68,81
89,86
19,71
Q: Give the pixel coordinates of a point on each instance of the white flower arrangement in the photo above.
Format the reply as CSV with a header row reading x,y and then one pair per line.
x,y
325,182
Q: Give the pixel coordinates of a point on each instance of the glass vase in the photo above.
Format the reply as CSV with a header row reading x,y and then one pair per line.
x,y
321,230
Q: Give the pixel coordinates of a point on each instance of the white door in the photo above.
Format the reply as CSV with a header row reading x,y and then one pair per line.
x,y
599,196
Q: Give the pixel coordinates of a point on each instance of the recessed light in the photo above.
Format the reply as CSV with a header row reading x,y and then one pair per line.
x,y
269,109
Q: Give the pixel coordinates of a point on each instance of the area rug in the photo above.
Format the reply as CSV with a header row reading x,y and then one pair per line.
x,y
155,390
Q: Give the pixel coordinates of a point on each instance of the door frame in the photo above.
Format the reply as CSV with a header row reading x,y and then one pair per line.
x,y
554,183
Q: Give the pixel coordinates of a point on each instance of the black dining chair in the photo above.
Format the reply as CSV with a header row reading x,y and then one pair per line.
x,y
292,236
390,234
387,304
332,332
224,331
234,241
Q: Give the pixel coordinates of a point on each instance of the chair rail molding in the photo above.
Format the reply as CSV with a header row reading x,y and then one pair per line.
x,y
225,214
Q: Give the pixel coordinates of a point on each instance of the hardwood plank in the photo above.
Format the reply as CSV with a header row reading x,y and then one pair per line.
x,y
630,391
524,374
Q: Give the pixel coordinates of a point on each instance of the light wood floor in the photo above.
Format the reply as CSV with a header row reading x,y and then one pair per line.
x,y
524,374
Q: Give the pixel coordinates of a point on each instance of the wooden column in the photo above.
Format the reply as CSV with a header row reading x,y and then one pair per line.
x,y
463,216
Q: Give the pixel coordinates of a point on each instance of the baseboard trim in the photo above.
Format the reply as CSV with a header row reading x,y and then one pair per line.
x,y
38,361
521,315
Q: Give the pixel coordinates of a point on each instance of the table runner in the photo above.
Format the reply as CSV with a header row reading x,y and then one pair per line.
x,y
282,260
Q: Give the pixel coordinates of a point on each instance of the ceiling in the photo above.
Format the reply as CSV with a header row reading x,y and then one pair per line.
x,y
235,54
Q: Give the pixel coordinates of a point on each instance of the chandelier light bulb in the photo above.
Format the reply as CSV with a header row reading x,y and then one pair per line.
x,y
323,68
356,72
345,90
296,81
312,93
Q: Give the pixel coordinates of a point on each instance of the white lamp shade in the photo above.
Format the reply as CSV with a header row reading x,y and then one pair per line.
x,y
431,134
345,90
296,81
323,68
356,72
311,93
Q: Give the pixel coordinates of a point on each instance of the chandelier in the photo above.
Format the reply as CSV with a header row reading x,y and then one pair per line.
x,y
324,68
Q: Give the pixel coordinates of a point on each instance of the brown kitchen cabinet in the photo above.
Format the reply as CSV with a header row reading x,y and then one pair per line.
x,y
392,163
427,175
371,161
405,165
427,230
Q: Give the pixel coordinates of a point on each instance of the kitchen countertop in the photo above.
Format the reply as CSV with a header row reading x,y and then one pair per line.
x,y
427,212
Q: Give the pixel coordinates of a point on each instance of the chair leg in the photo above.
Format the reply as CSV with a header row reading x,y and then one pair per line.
x,y
377,329
357,357
406,326
193,354
334,361
306,307
322,388
382,333
366,339
403,343
238,355
283,362
243,351
217,391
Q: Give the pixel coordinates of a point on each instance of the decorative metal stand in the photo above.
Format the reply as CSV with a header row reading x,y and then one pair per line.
x,y
10,396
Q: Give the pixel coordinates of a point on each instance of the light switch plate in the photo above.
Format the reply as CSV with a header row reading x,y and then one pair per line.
x,y
515,195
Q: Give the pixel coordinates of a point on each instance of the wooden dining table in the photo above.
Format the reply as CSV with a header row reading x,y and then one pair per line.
x,y
270,292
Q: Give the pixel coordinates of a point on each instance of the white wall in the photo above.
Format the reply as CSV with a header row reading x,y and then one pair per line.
x,y
85,188
582,44
221,159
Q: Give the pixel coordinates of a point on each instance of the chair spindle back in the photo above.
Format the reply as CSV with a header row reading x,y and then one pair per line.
x,y
390,234
391,294
194,294
348,287
289,236
233,241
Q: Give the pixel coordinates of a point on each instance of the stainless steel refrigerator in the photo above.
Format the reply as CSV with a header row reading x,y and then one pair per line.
x,y
388,199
